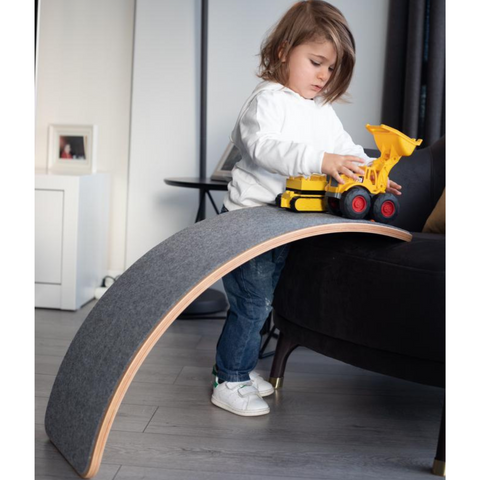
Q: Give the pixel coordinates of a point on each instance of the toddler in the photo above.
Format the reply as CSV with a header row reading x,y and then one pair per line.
x,y
287,127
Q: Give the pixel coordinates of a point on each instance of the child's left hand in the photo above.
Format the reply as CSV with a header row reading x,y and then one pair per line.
x,y
393,187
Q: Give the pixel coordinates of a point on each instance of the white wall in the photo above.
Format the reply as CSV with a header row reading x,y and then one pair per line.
x,y
165,122
84,77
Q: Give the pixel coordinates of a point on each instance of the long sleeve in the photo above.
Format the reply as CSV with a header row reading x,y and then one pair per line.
x,y
261,132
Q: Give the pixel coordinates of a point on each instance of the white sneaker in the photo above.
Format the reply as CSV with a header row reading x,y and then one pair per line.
x,y
241,398
264,388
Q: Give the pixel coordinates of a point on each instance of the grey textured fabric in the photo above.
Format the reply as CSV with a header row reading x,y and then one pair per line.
x,y
137,302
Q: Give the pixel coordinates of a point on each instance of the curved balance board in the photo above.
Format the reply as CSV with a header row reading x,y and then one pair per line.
x,y
137,309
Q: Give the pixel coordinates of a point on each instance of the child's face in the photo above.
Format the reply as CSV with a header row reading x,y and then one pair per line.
x,y
310,67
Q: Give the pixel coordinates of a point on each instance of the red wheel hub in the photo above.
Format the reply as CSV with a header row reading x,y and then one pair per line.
x,y
359,204
388,208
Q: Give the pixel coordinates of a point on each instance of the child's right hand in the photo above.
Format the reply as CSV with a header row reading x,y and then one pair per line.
x,y
334,165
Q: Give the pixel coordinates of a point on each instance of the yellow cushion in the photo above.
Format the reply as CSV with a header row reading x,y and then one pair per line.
x,y
436,221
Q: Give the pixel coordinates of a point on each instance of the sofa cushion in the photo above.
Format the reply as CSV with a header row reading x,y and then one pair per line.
x,y
369,290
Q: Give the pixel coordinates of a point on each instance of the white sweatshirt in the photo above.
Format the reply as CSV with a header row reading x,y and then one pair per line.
x,y
280,134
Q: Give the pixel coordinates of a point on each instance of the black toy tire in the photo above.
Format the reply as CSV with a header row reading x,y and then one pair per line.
x,y
293,201
333,206
355,204
278,200
385,208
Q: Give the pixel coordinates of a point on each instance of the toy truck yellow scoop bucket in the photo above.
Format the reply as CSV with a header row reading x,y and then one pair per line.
x,y
392,141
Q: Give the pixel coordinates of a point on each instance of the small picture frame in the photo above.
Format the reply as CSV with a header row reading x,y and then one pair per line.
x,y
72,149
223,171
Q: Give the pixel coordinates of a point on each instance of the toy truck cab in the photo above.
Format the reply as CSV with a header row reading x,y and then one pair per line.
x,y
366,198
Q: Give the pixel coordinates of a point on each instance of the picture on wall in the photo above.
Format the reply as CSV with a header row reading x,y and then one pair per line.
x,y
72,149
230,157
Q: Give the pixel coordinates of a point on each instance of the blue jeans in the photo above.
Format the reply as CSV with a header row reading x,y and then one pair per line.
x,y
249,290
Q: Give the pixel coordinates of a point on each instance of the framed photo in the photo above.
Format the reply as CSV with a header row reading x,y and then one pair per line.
x,y
72,148
230,157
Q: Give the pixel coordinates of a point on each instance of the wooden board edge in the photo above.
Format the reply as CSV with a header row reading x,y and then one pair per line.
x,y
189,297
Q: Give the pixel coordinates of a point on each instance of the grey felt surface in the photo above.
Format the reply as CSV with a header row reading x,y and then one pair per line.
x,y
136,303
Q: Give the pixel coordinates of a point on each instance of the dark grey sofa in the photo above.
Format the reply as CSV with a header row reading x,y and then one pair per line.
x,y
373,302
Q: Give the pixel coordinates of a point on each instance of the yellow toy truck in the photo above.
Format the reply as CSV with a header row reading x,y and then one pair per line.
x,y
356,200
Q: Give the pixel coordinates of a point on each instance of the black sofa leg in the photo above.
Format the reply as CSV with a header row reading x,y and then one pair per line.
x,y
439,462
283,350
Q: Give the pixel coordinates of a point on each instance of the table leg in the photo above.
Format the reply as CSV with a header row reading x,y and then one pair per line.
x,y
201,208
213,203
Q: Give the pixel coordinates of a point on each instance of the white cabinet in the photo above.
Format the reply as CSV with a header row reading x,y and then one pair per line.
x,y
71,234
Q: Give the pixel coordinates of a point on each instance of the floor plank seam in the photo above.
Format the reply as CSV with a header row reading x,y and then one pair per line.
x,y
426,449
116,473
179,374
151,418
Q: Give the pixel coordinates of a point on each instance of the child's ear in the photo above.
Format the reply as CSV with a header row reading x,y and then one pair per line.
x,y
281,52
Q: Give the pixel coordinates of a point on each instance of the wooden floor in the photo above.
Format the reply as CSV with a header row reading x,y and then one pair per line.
x,y
330,421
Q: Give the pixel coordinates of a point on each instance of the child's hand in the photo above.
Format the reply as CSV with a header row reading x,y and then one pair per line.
x,y
393,187
334,165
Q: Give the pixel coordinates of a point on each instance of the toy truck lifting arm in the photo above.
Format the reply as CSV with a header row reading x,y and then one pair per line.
x,y
364,199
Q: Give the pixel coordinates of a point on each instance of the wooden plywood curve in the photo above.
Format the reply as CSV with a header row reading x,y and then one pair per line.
x,y
125,324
